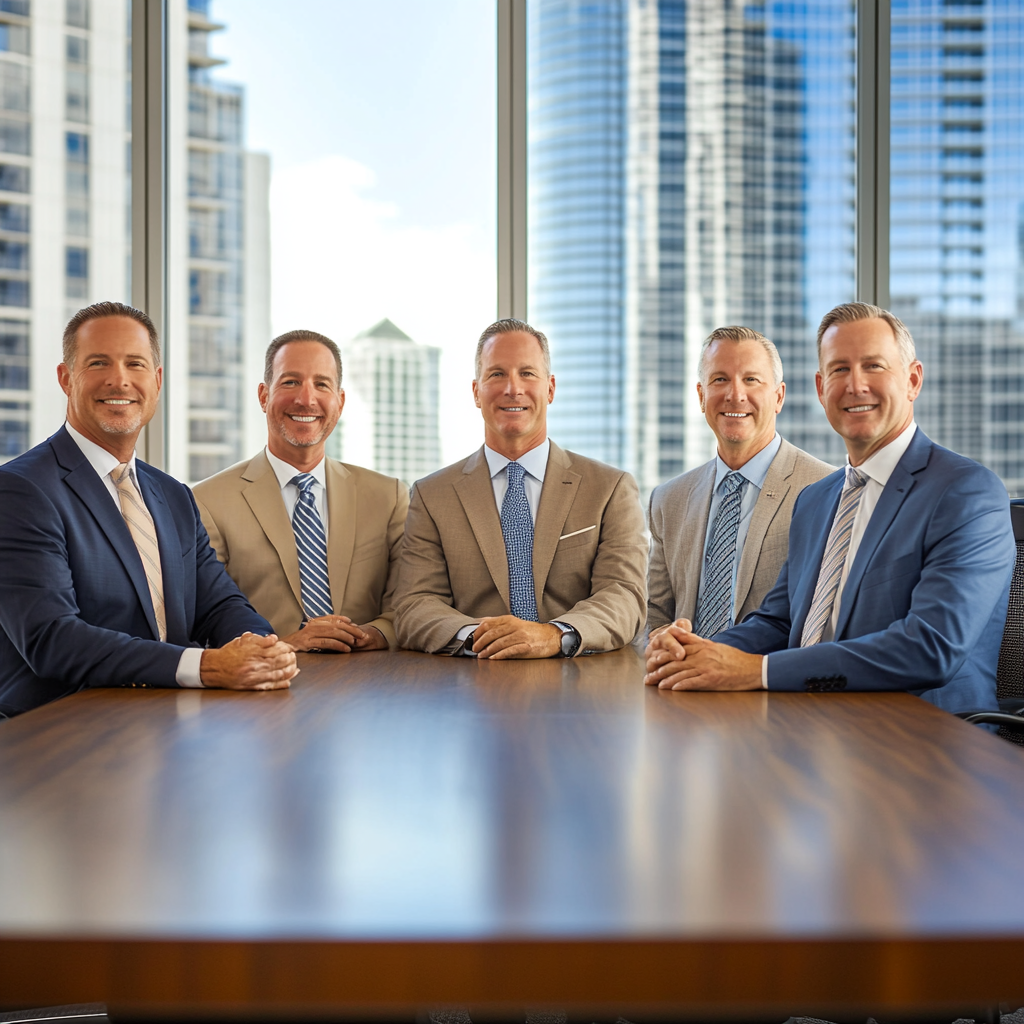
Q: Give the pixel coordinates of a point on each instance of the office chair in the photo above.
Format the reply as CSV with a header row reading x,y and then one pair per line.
x,y
1010,671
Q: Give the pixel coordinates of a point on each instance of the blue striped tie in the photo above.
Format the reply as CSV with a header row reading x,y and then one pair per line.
x,y
714,610
311,544
834,559
517,529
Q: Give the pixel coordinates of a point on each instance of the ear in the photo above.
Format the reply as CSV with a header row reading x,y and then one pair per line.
x,y
551,389
780,397
476,394
700,395
341,397
819,386
264,395
159,379
916,380
64,378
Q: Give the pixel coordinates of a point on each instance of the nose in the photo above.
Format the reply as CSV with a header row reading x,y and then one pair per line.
x,y
857,380
737,392
307,396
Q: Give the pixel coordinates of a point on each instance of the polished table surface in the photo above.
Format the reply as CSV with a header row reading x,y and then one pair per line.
x,y
400,831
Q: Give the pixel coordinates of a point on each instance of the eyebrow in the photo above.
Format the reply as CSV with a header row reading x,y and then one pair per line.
x,y
106,355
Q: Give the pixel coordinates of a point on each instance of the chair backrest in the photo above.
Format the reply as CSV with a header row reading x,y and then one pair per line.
x,y
1010,672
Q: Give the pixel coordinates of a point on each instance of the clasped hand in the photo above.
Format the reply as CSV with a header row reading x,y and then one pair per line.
x,y
505,636
249,662
677,659
336,633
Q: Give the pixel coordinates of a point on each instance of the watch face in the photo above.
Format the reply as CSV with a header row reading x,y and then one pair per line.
x,y
568,644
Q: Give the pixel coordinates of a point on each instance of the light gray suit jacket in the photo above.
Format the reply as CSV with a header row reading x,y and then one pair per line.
x,y
678,518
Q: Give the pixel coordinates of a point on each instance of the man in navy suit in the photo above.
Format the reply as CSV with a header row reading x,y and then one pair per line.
x,y
107,577
899,565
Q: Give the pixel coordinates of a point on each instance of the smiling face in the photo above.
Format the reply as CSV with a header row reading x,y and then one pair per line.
x,y
302,403
866,391
740,398
112,384
513,393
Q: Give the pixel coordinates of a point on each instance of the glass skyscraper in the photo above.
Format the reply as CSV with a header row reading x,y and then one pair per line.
x,y
693,165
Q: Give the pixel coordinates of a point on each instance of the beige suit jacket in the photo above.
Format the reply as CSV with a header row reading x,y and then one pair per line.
x,y
589,554
678,517
244,514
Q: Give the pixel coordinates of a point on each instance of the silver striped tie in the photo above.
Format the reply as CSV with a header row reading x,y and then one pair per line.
x,y
311,544
834,559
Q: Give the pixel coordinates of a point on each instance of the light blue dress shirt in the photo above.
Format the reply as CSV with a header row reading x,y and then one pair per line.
x,y
753,473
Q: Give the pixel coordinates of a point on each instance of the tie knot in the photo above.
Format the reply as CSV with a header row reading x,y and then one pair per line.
x,y
304,482
855,478
733,482
514,472
120,473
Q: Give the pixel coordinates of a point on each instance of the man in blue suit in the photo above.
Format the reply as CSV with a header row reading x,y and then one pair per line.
x,y
107,577
899,565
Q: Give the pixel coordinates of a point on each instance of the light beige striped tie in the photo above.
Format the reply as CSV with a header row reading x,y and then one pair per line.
x,y
140,523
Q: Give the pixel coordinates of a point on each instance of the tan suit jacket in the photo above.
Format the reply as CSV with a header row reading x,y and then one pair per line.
x,y
589,554
243,512
678,517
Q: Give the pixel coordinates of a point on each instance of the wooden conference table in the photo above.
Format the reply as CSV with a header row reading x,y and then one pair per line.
x,y
402,831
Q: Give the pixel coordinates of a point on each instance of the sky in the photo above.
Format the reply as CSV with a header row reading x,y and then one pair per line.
x,y
379,119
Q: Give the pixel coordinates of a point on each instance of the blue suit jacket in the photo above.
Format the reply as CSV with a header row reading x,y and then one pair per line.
x,y
75,608
924,605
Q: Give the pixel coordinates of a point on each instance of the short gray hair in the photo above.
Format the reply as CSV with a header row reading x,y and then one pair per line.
x,y
852,312
507,326
739,334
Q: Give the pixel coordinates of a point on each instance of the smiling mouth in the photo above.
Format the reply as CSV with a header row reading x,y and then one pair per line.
x,y
860,408
513,408
303,419
117,401
737,415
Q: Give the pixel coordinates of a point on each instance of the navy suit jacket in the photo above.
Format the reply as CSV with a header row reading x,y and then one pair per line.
x,y
924,605
75,608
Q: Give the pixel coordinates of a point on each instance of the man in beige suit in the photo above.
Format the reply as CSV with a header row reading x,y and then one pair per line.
x,y
523,550
313,543
720,533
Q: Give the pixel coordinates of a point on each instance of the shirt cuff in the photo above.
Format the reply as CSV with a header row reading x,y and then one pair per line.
x,y
764,672
188,668
463,635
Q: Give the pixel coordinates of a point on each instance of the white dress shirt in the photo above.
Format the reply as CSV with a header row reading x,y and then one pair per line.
x,y
878,468
285,473
187,673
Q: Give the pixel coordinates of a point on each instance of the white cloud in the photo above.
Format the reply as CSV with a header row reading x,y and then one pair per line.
x,y
342,260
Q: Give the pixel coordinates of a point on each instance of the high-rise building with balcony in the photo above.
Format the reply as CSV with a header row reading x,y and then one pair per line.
x,y
391,417
65,147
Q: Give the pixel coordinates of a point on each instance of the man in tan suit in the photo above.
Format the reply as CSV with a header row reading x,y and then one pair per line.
x,y
312,542
523,550
720,533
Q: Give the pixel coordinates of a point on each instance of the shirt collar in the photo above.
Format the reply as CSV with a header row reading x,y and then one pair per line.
x,y
99,458
285,472
880,465
754,469
535,461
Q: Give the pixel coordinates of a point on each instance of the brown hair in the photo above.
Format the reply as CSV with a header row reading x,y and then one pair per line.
x,y
507,326
98,311
300,335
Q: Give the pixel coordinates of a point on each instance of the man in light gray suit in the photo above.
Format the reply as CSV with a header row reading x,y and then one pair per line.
x,y
720,533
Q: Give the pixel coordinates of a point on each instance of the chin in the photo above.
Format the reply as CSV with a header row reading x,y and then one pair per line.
x,y
121,428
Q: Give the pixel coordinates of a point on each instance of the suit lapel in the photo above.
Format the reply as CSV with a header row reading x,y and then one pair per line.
x,y
263,495
695,524
769,501
561,486
475,492
891,499
171,565
341,537
92,492
819,526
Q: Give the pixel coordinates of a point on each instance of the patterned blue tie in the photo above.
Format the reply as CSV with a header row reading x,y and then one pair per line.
x,y
517,529
311,544
714,610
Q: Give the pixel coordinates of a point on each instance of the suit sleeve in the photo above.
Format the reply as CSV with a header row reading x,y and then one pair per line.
x,y
425,616
385,622
768,628
39,610
222,610
959,587
661,604
614,613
